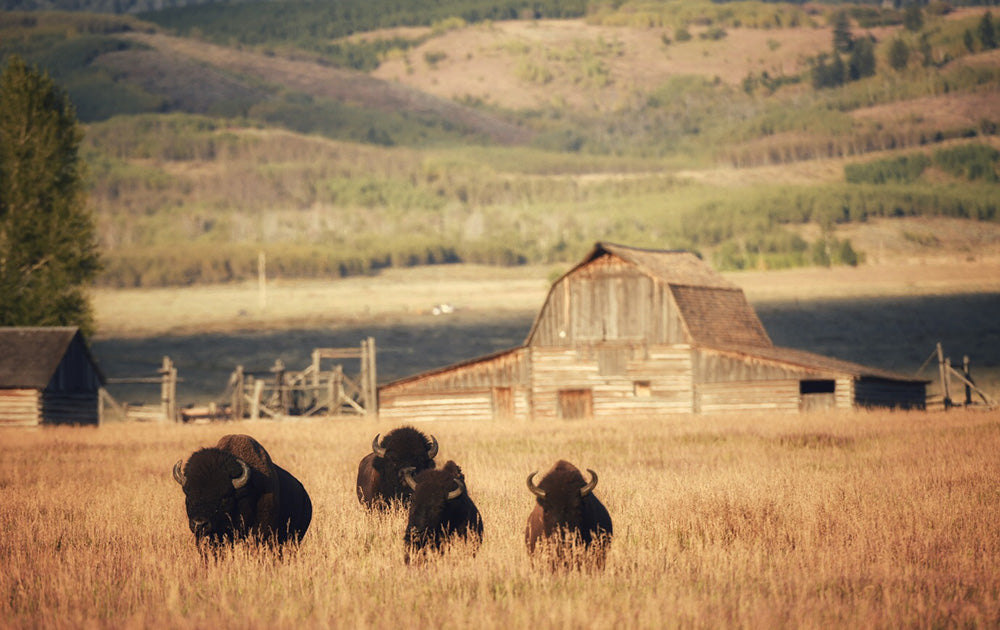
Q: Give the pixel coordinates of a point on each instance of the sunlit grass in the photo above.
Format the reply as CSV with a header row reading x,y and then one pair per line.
x,y
847,520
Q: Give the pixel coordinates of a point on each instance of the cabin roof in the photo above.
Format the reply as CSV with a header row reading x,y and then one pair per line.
x,y
29,356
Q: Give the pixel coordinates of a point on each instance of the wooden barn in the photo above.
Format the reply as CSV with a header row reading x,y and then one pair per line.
x,y
633,331
47,376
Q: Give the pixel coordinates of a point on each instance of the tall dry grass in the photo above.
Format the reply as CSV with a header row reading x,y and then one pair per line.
x,y
826,520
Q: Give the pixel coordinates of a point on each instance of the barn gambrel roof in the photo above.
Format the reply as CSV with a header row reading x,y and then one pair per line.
x,y
716,314
29,356
714,311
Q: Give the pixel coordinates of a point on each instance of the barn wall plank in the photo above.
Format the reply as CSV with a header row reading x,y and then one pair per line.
x,y
20,407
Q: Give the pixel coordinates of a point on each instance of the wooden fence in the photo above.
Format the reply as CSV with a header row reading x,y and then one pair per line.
x,y
166,410
946,372
312,391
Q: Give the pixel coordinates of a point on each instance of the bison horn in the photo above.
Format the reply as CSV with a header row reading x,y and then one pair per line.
x,y
433,450
239,482
587,489
535,490
457,492
179,472
378,450
408,477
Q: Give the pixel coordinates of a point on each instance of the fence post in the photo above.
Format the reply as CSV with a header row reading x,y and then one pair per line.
x,y
368,376
168,390
238,393
968,379
258,391
943,370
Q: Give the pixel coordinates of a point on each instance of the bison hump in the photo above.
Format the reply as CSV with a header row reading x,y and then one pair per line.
x,y
250,451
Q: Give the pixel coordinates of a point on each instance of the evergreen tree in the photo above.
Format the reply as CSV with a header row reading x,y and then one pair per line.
x,y
843,41
48,248
987,33
913,18
899,54
862,61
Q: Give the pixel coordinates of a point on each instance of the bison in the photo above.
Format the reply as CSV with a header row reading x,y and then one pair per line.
x,y
440,510
380,473
233,492
568,521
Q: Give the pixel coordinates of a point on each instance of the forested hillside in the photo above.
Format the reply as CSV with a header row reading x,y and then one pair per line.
x,y
343,137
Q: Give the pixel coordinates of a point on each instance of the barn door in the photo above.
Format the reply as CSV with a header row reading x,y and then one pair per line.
x,y
503,403
576,404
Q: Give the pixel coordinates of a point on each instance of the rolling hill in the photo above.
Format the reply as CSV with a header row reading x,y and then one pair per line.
x,y
516,141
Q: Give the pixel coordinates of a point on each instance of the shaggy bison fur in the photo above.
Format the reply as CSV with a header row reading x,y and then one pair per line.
x,y
380,473
233,491
441,510
568,521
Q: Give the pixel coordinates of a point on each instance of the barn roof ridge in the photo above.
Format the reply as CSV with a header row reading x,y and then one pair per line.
x,y
676,267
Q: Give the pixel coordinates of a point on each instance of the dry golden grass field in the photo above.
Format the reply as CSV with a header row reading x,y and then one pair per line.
x,y
840,520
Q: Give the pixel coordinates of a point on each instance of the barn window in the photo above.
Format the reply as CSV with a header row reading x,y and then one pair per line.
x,y
642,389
576,404
817,387
816,395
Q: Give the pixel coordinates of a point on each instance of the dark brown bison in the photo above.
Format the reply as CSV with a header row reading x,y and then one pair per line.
x,y
233,492
440,510
568,521
380,473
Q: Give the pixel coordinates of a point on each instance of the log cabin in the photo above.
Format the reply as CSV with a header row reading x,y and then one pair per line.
x,y
47,376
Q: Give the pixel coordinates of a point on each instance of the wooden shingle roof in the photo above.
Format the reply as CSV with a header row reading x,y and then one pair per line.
x,y
674,267
714,310
29,356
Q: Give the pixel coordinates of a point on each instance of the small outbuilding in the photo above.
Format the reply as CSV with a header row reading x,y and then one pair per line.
x,y
48,376
634,331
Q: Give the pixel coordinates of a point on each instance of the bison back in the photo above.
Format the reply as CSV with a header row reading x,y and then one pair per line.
x,y
294,512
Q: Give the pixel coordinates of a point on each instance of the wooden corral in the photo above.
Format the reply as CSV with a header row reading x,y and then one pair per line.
x,y
48,376
311,391
633,331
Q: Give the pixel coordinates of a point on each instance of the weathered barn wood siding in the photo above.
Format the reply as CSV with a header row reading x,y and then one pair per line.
x,y
20,407
726,382
715,367
608,300
871,392
748,396
465,404
494,387
625,379
75,373
62,407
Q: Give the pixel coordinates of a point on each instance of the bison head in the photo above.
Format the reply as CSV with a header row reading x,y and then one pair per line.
x,y
402,448
436,513
560,493
214,483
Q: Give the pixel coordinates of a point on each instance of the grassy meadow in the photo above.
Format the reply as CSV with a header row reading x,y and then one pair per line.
x,y
865,519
